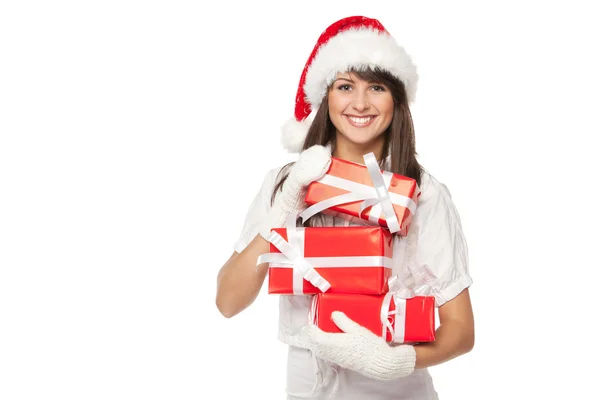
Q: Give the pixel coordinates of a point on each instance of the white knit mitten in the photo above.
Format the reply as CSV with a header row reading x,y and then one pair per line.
x,y
358,349
311,166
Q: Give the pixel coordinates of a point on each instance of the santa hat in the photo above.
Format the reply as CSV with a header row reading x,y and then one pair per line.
x,y
357,42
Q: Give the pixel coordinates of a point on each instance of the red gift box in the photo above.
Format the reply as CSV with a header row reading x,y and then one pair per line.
x,y
356,182
398,320
354,259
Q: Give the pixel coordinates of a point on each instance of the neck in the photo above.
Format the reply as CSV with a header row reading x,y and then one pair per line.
x,y
354,152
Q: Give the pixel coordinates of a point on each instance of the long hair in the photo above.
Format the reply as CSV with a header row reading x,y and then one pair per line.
x,y
399,137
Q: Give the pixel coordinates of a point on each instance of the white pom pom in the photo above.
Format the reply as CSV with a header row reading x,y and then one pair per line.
x,y
294,134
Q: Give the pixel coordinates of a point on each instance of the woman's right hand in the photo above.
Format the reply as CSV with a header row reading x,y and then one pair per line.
x,y
311,166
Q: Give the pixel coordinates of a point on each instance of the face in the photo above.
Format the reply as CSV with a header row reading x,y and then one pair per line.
x,y
360,111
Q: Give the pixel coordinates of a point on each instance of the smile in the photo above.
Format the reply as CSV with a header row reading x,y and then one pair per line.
x,y
360,122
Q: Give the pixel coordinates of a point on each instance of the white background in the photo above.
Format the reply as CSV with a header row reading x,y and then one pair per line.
x,y
134,135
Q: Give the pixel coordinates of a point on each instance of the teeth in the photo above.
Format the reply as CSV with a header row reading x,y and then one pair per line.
x,y
360,120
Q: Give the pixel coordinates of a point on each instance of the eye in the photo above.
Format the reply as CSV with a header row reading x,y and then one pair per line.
x,y
378,88
344,87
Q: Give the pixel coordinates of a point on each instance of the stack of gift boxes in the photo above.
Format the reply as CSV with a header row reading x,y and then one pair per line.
x,y
349,269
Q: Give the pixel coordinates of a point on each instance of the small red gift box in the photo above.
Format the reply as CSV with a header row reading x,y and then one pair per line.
x,y
396,319
364,191
354,259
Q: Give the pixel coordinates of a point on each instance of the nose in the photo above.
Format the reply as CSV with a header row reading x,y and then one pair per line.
x,y
361,101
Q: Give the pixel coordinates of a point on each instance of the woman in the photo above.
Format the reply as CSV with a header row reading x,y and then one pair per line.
x,y
359,82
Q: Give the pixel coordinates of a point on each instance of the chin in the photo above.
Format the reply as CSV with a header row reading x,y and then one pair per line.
x,y
359,139
361,142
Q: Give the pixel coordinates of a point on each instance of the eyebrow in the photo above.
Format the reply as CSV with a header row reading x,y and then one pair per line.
x,y
350,80
343,79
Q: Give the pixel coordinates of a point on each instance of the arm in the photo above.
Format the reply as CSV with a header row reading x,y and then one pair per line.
x,y
455,335
239,281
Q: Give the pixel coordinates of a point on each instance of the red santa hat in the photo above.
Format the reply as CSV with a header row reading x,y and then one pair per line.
x,y
353,42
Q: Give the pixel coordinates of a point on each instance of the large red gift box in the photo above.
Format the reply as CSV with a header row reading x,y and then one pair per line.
x,y
344,177
354,259
398,320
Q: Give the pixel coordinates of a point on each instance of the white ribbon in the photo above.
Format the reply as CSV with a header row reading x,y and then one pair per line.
x,y
293,251
400,294
282,261
377,196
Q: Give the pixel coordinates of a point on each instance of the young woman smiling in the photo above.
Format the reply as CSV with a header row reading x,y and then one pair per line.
x,y
358,82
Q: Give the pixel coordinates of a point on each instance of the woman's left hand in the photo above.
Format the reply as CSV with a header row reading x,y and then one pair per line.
x,y
358,349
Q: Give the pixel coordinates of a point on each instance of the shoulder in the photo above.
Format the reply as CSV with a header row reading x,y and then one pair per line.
x,y
432,190
435,205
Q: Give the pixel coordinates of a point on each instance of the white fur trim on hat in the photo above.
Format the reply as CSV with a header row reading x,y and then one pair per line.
x,y
361,49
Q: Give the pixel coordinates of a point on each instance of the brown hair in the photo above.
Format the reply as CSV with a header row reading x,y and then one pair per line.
x,y
399,137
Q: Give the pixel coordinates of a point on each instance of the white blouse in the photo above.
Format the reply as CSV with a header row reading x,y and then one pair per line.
x,y
438,266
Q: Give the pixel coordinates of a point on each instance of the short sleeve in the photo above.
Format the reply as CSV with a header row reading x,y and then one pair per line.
x,y
257,211
442,259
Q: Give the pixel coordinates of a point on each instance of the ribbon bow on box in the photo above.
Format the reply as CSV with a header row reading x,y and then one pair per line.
x,y
413,318
399,293
291,254
378,197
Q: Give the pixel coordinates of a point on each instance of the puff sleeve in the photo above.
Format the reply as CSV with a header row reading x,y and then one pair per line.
x,y
441,261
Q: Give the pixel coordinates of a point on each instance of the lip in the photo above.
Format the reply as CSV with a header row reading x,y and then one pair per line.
x,y
360,125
